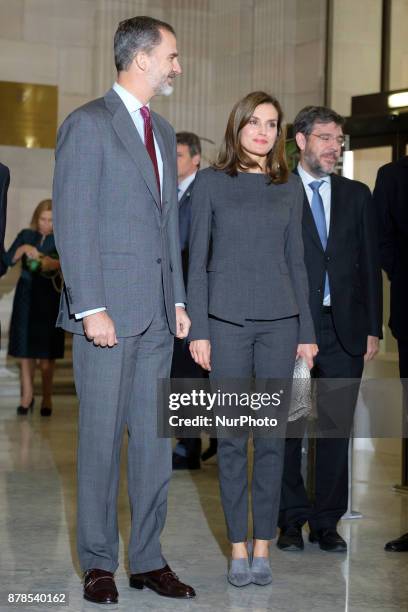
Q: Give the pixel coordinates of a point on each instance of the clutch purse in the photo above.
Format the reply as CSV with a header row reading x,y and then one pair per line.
x,y
301,399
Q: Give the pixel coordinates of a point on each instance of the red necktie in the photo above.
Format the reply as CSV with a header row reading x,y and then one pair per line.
x,y
149,141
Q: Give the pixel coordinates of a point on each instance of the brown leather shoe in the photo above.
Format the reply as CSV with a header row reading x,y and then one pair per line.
x,y
164,582
100,587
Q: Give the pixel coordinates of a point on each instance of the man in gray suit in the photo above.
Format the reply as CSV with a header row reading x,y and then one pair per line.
x,y
116,228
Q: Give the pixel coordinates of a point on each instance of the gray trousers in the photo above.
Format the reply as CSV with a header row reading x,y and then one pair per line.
x,y
117,387
265,349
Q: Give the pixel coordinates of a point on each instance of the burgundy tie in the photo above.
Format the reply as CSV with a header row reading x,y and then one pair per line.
x,y
149,141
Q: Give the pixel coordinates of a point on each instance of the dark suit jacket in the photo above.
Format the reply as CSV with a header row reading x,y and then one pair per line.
x,y
352,261
4,183
246,252
184,227
391,200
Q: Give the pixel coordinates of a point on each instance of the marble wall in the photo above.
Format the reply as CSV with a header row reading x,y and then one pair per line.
x,y
226,49
355,51
399,47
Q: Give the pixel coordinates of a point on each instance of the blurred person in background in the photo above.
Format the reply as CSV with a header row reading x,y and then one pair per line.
x,y
33,335
391,200
186,454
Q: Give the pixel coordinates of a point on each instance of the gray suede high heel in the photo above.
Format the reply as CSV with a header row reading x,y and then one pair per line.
x,y
239,573
261,571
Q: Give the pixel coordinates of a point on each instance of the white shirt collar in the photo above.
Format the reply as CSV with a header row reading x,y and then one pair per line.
x,y
129,100
185,183
308,178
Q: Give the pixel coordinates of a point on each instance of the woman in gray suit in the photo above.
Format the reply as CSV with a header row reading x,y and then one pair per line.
x,y
248,303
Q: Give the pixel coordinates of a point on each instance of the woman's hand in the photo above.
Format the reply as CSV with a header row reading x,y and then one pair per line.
x,y
49,264
307,352
201,351
26,249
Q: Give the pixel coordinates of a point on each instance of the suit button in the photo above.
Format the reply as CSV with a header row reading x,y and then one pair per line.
x,y
319,291
158,260
327,258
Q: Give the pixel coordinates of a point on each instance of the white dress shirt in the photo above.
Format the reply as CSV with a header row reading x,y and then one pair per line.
x,y
184,185
133,105
325,192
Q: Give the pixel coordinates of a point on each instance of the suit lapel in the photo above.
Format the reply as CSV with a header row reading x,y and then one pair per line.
x,y
334,209
125,129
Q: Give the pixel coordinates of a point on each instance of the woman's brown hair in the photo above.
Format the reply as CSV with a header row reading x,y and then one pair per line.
x,y
232,157
43,206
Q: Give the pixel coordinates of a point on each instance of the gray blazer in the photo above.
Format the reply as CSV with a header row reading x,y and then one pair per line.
x,y
117,247
246,252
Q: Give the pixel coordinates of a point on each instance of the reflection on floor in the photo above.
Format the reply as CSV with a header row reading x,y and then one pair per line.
x,y
37,532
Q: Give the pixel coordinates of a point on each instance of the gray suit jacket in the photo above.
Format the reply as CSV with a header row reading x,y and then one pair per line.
x,y
117,247
246,252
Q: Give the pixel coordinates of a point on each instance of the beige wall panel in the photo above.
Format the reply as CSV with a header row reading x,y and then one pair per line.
x,y
12,17
28,62
399,45
310,20
226,49
75,71
31,168
60,21
68,103
355,52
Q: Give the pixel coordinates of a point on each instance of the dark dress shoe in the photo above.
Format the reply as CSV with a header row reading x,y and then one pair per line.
x,y
290,538
163,582
211,450
100,587
185,463
328,540
398,545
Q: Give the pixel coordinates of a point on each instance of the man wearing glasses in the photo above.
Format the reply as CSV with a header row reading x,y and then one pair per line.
x,y
342,260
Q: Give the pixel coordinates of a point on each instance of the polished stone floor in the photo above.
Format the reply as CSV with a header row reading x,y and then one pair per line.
x,y
37,532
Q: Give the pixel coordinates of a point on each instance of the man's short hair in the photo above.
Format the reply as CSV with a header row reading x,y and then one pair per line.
x,y
191,140
306,119
134,35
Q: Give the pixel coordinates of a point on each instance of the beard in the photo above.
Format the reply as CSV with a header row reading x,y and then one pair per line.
x,y
161,85
317,166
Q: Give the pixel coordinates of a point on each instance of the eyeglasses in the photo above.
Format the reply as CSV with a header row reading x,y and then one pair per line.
x,y
340,140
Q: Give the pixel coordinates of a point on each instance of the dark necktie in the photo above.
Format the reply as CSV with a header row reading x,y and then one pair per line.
x,y
320,221
149,141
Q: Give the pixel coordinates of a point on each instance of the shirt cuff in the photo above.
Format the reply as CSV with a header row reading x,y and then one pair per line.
x,y
85,313
181,304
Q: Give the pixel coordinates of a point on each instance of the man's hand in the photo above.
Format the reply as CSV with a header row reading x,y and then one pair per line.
x,y
183,323
307,352
373,344
201,352
100,328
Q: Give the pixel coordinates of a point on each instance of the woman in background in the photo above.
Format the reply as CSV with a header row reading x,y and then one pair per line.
x,y
33,335
248,304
